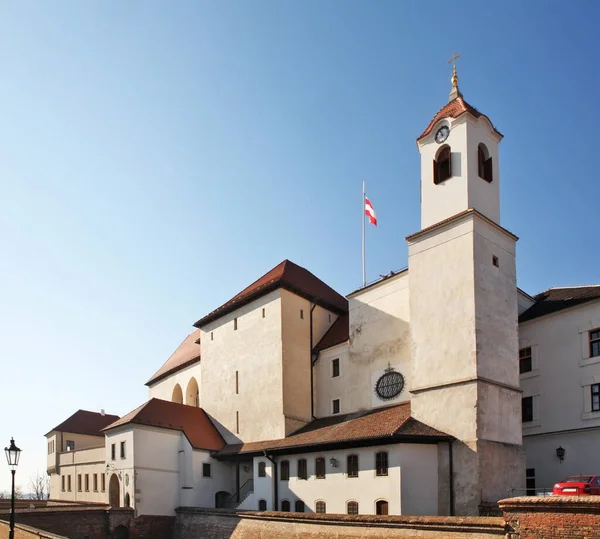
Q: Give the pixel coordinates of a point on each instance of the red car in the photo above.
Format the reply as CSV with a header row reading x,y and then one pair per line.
x,y
578,485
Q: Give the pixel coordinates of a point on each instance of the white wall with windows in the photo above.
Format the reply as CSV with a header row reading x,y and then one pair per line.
x,y
182,386
409,482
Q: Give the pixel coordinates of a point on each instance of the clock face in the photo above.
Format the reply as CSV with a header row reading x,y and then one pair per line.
x,y
442,134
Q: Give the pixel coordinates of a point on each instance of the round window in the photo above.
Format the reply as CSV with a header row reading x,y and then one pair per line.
x,y
389,385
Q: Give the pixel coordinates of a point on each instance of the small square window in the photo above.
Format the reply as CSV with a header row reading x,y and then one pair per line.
x,y
525,364
70,445
495,261
206,469
335,367
595,343
335,405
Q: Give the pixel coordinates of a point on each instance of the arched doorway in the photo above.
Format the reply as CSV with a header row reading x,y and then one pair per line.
x,y
192,394
220,498
177,394
113,491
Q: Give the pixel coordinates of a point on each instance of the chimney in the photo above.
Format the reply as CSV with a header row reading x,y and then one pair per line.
x,y
102,411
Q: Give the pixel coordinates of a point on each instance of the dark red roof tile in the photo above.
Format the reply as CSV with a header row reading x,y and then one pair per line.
x,y
187,353
391,423
557,299
85,422
338,333
454,109
291,277
190,420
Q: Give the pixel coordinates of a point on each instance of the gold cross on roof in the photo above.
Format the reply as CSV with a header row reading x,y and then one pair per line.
x,y
454,58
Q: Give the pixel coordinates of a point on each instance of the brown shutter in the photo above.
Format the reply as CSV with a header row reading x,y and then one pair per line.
x,y
436,172
488,170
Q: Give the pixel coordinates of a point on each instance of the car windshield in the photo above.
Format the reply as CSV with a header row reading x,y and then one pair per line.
x,y
581,479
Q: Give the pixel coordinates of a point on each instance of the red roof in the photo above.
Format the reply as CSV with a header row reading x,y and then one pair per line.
x,y
85,422
291,277
338,333
454,109
187,353
392,423
192,421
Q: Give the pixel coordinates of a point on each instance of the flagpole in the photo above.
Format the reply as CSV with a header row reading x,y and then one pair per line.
x,y
364,274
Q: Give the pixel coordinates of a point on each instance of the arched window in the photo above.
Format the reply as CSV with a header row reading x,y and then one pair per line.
x,y
320,468
261,469
442,165
192,394
320,507
285,506
381,507
353,508
262,505
302,469
299,506
352,466
381,463
484,163
177,395
285,470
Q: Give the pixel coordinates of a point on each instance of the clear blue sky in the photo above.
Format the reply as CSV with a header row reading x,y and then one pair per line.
x,y
156,157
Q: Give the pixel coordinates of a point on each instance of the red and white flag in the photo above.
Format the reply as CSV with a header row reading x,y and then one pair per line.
x,y
370,211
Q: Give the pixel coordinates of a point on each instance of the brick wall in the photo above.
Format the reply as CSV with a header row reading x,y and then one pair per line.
x,y
194,523
560,517
152,527
26,532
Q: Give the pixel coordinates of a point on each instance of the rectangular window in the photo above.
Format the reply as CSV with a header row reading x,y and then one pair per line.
x,y
206,469
525,364
62,483
79,482
335,367
103,482
263,312
113,451
235,324
87,482
122,450
381,463
595,343
302,469
70,445
595,397
301,314
495,261
211,336
48,448
320,468
352,465
285,470
69,483
95,482
335,406
527,409
320,507
530,481
237,422
262,469
237,383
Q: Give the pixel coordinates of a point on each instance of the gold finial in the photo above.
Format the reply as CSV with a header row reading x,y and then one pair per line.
x,y
455,92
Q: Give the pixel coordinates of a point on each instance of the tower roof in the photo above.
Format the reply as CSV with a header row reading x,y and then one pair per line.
x,y
455,108
187,353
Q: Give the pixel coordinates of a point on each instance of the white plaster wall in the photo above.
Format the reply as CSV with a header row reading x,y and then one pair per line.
x,y
465,189
92,464
255,350
164,388
122,467
379,335
412,471
560,347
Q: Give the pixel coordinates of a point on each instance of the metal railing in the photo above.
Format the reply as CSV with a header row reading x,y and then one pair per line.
x,y
537,491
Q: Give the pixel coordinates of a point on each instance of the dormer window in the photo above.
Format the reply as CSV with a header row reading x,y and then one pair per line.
x,y
442,165
484,163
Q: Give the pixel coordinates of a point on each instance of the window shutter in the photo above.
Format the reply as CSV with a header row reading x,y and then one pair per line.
x,y
449,163
436,172
488,170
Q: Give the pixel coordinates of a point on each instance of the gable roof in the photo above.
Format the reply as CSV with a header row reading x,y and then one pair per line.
x,y
187,353
192,421
389,424
338,333
291,277
455,108
557,299
85,422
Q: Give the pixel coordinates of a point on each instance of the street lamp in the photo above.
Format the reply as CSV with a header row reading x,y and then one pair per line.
x,y
12,456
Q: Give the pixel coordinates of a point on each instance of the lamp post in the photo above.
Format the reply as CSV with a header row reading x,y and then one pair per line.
x,y
12,456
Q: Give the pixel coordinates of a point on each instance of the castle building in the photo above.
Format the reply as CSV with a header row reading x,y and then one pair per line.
x,y
429,391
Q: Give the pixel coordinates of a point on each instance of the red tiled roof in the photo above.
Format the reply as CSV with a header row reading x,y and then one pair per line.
x,y
192,421
85,422
557,299
187,353
454,109
338,333
391,423
291,277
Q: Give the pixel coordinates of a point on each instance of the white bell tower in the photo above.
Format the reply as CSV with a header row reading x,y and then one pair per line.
x,y
459,162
